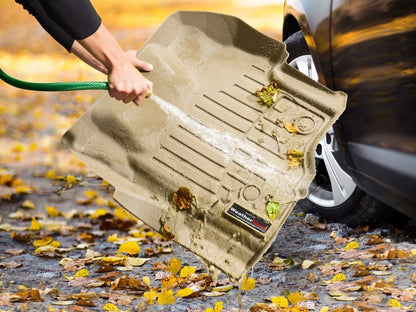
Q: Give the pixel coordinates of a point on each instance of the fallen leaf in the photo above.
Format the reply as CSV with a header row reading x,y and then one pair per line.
x,y
31,295
295,297
268,94
291,127
339,277
11,265
14,251
295,158
35,225
126,282
27,204
136,261
224,288
174,266
306,264
166,297
82,273
272,209
248,284
280,301
182,198
352,245
131,248
151,296
186,271
43,242
52,212
184,293
110,307
146,281
124,214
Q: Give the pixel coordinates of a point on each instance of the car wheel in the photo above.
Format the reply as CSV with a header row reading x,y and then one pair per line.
x,y
333,194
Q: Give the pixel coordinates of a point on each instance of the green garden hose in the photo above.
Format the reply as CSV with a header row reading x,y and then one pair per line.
x,y
53,86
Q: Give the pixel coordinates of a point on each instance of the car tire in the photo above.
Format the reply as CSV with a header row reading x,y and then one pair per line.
x,y
349,204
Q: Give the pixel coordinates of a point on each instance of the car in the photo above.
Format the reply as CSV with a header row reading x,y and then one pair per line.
x,y
366,163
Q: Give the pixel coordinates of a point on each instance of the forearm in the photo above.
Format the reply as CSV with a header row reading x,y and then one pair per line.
x,y
104,48
87,57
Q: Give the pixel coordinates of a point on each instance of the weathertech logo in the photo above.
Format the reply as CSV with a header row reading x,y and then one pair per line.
x,y
248,218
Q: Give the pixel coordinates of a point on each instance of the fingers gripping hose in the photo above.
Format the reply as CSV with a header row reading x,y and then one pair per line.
x,y
53,86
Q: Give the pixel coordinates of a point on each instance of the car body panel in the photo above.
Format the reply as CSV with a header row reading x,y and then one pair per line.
x,y
313,19
369,53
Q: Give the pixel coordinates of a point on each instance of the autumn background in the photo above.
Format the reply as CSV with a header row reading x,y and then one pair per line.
x,y
65,245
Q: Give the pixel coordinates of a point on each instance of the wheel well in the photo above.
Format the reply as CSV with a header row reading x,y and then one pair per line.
x,y
290,26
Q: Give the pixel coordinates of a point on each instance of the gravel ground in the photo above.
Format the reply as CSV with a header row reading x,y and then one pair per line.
x,y
297,241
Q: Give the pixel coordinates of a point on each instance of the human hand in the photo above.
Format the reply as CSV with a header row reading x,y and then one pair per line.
x,y
127,84
140,65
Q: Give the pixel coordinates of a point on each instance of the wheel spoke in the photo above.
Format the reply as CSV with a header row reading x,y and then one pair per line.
x,y
341,183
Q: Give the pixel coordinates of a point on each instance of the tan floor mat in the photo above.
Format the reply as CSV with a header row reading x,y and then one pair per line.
x,y
230,151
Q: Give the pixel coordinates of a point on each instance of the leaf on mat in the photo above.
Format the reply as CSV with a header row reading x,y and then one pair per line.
x,y
182,198
272,209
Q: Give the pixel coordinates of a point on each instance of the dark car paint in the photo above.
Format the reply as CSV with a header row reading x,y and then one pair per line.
x,y
367,49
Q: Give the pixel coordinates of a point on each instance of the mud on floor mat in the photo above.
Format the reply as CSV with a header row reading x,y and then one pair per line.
x,y
217,169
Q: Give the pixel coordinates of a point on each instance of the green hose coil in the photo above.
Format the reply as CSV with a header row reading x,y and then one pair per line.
x,y
53,86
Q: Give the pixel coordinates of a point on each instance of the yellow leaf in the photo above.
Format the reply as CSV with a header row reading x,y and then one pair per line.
x,y
223,288
146,280
112,238
101,201
136,261
35,225
27,204
110,307
280,301
174,266
306,264
33,146
339,277
70,179
185,292
166,297
248,284
413,252
295,158
55,244
91,194
52,212
186,271
111,260
394,303
168,281
124,214
151,296
83,273
295,297
291,127
352,245
324,309
111,204
131,248
209,310
218,306
24,189
43,242
99,213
